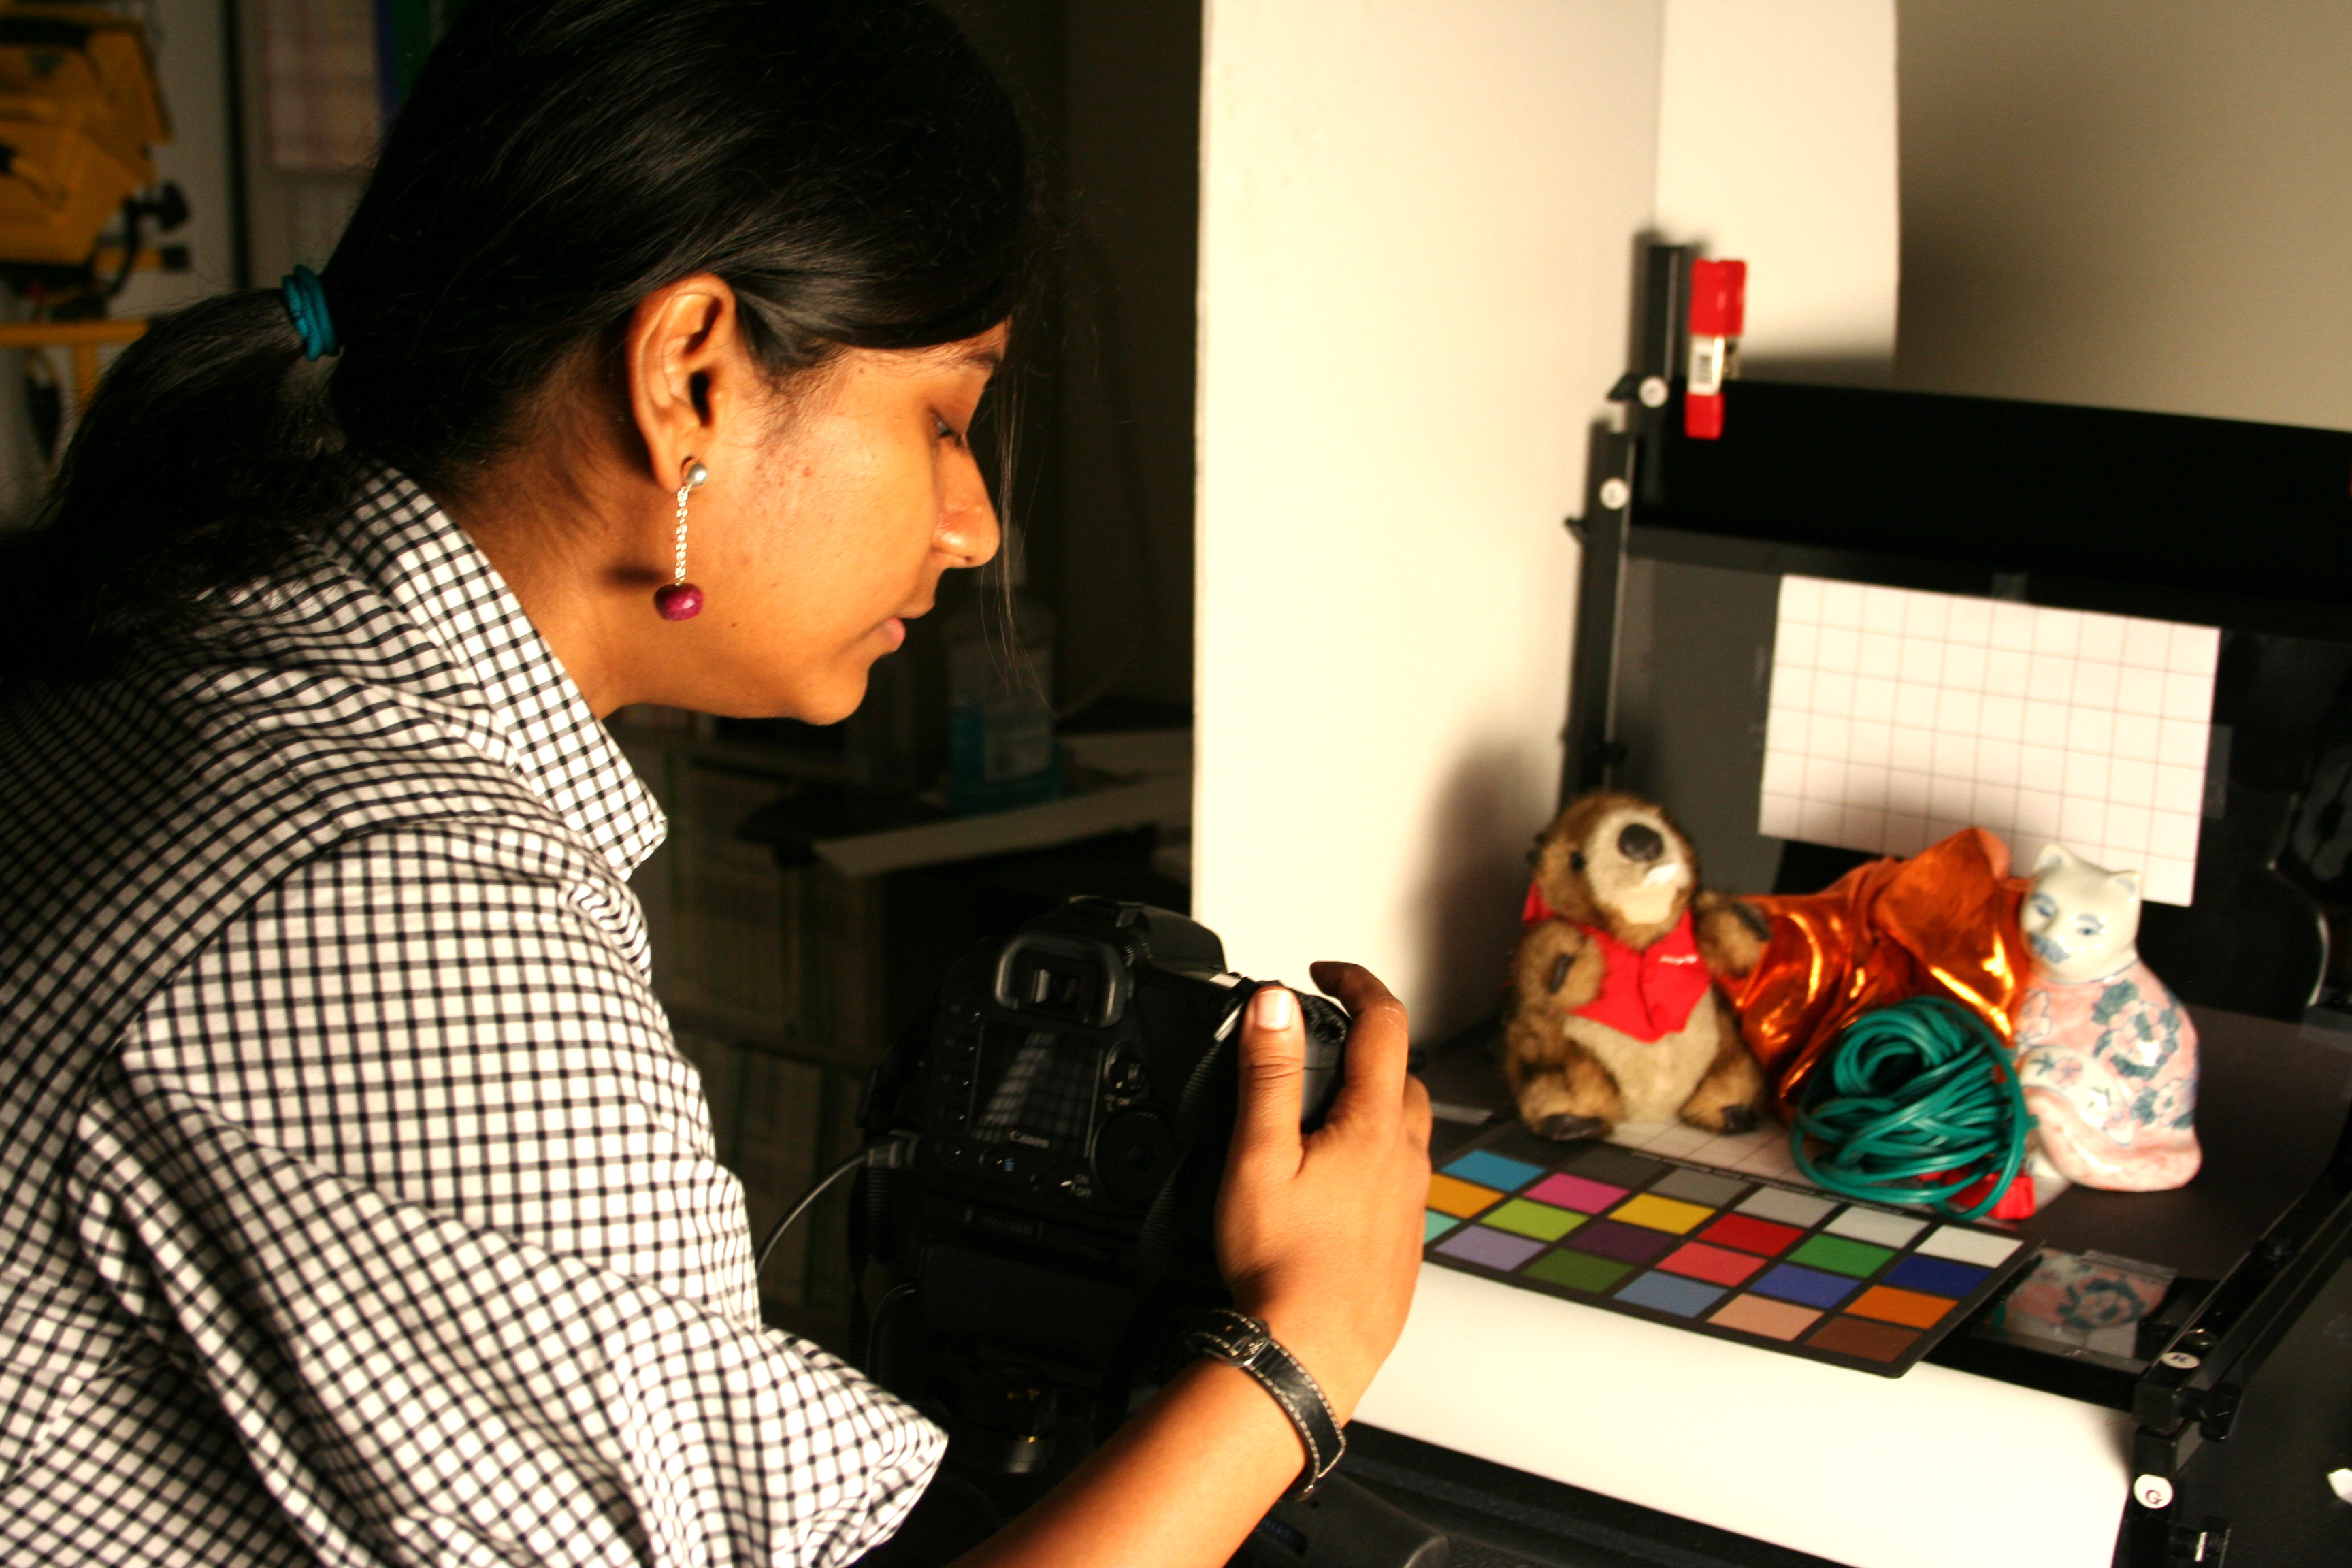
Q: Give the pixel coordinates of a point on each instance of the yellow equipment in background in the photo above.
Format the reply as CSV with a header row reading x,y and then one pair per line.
x,y
78,113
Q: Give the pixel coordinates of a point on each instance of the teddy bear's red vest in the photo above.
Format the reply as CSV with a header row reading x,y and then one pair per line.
x,y
1647,994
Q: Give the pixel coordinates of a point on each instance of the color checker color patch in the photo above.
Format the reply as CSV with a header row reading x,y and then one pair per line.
x,y
1839,1256
1495,1248
1761,1236
1787,1207
1579,1272
1860,1337
1762,1315
1937,1274
1809,1286
1577,1193
1875,1227
1669,1214
1671,1293
1958,1243
1719,1265
1459,1198
1489,1169
1525,1216
1625,1242
1712,1251
1888,1305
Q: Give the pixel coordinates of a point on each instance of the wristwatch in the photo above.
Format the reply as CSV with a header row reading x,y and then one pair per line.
x,y
1240,1341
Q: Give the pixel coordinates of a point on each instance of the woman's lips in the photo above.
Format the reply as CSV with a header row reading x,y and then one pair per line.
x,y
895,630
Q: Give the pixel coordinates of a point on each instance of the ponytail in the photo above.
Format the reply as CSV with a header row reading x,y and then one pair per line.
x,y
207,454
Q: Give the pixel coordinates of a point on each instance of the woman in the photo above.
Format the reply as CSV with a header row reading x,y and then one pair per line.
x,y
355,1207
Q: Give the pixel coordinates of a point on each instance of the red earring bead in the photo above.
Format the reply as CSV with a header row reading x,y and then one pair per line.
x,y
678,601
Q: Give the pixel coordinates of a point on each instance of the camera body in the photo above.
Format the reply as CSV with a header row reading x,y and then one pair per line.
x,y
1072,1103
1079,1091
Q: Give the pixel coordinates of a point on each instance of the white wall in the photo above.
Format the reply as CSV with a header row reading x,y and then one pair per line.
x,y
191,68
2144,205
1776,146
1416,231
1419,221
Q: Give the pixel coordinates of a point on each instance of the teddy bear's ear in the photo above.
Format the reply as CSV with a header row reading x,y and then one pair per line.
x,y
2051,854
2127,880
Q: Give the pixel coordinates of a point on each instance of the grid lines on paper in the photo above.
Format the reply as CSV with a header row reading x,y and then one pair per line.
x,y
1900,717
1760,1152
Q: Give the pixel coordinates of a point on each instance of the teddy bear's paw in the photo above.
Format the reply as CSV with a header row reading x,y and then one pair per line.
x,y
1730,1119
1565,1128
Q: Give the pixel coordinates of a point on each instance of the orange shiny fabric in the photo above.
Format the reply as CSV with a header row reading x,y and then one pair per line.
x,y
1943,922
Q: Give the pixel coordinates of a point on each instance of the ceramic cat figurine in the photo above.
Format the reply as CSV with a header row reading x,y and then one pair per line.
x,y
2107,1055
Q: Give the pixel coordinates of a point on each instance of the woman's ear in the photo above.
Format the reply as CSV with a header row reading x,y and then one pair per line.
x,y
686,364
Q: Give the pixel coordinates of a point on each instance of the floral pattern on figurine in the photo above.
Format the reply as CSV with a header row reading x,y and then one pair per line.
x,y
2107,1055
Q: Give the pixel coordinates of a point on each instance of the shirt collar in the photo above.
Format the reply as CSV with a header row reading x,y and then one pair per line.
x,y
419,558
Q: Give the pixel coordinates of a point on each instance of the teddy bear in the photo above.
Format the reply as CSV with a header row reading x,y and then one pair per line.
x,y
1614,1014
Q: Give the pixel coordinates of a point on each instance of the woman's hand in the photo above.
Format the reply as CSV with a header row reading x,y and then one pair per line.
x,y
1320,1234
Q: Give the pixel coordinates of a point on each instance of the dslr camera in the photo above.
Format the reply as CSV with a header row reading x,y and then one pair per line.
x,y
1045,1219
1071,1105
1081,1086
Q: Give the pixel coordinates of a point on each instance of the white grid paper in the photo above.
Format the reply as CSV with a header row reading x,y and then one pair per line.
x,y
1761,1152
1899,718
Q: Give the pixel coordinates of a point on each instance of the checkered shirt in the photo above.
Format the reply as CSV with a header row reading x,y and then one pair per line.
x,y
355,1207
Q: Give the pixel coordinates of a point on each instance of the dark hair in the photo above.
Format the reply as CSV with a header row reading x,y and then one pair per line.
x,y
850,167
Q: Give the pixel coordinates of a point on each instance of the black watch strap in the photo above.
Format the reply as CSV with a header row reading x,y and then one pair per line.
x,y
1240,1341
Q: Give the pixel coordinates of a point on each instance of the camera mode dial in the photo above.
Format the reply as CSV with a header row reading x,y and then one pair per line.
x,y
1132,1154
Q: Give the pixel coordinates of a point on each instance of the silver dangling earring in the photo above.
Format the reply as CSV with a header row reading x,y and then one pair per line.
x,y
678,599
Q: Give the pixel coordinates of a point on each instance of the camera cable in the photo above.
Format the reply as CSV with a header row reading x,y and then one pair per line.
x,y
892,1153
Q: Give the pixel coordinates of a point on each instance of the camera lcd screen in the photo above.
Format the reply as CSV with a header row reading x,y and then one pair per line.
x,y
1033,1086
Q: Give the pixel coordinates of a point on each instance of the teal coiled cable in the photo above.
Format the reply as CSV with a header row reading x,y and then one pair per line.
x,y
1907,1094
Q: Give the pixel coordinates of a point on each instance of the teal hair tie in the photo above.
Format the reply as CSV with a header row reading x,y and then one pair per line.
x,y
306,302
1913,1103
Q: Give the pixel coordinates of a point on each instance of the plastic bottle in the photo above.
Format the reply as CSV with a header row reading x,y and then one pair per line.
x,y
1001,750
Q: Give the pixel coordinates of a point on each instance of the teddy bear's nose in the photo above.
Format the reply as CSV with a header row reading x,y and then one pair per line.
x,y
1640,842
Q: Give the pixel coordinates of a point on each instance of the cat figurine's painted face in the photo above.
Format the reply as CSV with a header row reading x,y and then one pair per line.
x,y
2081,921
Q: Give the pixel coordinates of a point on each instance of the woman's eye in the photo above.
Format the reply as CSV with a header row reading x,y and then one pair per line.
x,y
947,432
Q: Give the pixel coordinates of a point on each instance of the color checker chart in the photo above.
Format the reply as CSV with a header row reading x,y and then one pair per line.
x,y
1715,1251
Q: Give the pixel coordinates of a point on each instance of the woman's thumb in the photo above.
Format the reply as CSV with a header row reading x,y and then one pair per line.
x,y
1273,1074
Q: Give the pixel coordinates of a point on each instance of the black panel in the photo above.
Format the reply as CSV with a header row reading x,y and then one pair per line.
x,y
2153,513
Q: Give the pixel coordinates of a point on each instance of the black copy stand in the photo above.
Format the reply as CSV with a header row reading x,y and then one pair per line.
x,y
2239,1392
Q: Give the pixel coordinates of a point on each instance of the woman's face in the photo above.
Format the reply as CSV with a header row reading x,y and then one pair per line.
x,y
822,530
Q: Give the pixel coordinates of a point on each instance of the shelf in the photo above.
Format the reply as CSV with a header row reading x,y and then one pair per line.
x,y
2272,1105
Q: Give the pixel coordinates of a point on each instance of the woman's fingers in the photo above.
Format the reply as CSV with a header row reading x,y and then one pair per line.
x,y
1417,1117
1378,1044
1273,1080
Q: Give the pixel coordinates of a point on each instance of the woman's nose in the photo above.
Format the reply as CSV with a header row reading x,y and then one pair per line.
x,y
968,527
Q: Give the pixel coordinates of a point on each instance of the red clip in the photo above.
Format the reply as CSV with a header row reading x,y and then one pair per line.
x,y
2015,1203
1719,309
1718,302
1702,416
